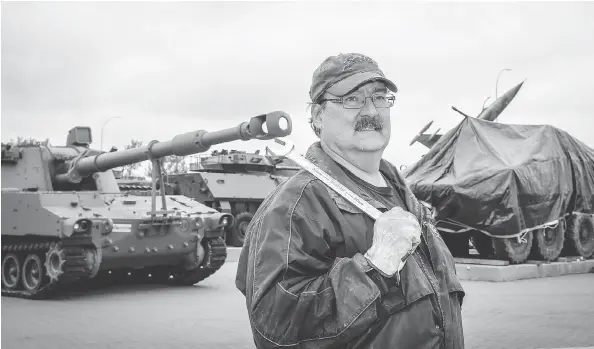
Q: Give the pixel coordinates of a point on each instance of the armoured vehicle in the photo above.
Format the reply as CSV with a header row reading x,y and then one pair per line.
x,y
234,182
518,192
64,219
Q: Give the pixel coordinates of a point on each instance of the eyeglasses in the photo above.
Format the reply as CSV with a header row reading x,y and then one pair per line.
x,y
379,100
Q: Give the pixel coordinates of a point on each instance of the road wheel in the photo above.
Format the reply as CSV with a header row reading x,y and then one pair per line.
x,y
548,242
483,244
580,236
55,258
511,250
239,229
11,271
33,273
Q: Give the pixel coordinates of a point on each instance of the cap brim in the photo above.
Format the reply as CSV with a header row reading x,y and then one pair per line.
x,y
348,84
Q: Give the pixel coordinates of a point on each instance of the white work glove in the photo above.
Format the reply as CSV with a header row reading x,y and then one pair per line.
x,y
396,234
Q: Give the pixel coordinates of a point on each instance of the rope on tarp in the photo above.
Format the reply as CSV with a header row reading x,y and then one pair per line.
x,y
521,236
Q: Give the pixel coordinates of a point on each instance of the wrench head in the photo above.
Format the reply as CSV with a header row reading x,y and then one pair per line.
x,y
280,147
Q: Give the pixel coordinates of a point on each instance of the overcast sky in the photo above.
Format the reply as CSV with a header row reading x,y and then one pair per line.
x,y
169,68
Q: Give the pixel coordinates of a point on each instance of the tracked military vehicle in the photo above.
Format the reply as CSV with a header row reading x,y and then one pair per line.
x,y
234,182
64,218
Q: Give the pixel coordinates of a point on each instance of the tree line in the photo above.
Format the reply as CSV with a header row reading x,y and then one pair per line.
x,y
172,164
22,141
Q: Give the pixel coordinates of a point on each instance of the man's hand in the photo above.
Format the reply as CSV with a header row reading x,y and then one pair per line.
x,y
395,234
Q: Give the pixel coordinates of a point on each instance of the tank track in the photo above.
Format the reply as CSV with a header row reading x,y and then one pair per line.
x,y
74,266
214,260
217,254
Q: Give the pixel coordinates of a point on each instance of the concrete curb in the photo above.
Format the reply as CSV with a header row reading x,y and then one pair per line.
x,y
474,272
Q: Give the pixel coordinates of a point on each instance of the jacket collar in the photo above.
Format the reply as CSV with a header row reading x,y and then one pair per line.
x,y
318,157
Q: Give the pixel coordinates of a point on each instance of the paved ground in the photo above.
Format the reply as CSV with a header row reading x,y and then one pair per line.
x,y
539,313
536,313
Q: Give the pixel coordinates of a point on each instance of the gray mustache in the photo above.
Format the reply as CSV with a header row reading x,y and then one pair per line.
x,y
367,122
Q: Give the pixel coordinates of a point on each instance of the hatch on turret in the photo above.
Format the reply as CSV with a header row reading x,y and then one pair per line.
x,y
233,161
79,136
11,154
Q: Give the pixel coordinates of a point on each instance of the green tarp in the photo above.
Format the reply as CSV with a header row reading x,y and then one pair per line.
x,y
503,178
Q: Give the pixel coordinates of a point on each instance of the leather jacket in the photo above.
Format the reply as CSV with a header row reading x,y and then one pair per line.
x,y
307,284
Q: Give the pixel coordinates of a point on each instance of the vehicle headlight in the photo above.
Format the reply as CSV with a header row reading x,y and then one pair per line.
x,y
226,221
199,223
82,226
108,226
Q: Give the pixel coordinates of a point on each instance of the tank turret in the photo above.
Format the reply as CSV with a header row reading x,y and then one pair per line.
x,y
234,182
234,162
65,220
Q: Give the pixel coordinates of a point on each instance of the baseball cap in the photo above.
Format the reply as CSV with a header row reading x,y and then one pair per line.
x,y
341,74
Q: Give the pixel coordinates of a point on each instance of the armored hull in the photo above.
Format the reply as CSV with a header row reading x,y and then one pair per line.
x,y
42,249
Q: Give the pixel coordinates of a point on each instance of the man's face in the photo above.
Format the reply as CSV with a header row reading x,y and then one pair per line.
x,y
366,129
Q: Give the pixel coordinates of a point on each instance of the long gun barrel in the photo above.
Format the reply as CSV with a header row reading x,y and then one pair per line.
x,y
263,127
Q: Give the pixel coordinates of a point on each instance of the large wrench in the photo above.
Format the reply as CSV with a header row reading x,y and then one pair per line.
x,y
285,148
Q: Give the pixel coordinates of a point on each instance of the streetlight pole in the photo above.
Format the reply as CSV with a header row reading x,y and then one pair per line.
x,y
105,123
497,83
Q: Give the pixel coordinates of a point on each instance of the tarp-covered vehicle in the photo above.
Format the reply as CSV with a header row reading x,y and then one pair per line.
x,y
517,191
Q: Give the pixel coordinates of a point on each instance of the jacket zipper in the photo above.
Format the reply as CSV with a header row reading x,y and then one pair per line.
x,y
422,265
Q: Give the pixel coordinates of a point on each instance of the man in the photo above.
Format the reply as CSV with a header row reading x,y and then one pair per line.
x,y
319,273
